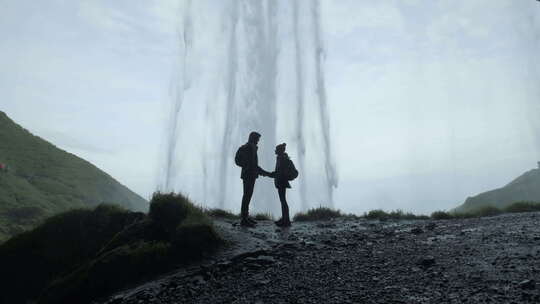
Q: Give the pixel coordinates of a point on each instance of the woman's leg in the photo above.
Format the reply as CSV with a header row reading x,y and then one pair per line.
x,y
284,206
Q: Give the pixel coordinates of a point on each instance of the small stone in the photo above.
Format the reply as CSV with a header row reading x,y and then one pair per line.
x,y
527,284
417,230
431,226
426,262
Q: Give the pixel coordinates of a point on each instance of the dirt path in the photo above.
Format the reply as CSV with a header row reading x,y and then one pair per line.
x,y
487,260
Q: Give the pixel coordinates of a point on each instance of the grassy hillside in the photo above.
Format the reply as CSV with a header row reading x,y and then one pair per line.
x,y
43,180
524,188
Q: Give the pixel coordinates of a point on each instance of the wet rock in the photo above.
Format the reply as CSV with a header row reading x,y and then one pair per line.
x,y
527,284
417,230
116,299
431,226
426,262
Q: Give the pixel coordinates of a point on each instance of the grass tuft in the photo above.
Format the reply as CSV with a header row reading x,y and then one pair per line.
x,y
382,215
220,213
317,214
523,207
263,217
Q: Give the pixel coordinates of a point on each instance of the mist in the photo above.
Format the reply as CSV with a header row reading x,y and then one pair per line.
x,y
428,102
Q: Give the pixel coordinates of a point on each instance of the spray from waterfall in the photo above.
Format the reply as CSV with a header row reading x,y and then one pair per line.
x,y
183,83
230,107
330,170
258,89
300,107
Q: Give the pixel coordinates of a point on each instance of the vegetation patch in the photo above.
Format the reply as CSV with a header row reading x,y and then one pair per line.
x,y
382,215
221,213
488,211
263,217
523,207
79,255
318,214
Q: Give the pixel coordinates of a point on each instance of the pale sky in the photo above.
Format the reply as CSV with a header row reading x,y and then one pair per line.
x,y
431,101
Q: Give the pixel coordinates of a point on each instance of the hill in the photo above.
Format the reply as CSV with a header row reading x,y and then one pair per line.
x,y
42,180
524,188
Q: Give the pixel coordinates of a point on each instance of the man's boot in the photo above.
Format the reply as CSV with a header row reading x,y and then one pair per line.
x,y
284,223
246,223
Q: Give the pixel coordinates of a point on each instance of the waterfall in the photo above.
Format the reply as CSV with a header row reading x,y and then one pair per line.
x,y
330,169
182,84
256,44
300,111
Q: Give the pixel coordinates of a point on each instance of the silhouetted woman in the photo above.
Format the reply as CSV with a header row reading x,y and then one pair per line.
x,y
281,179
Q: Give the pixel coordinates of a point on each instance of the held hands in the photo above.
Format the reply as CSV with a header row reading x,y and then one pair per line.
x,y
266,173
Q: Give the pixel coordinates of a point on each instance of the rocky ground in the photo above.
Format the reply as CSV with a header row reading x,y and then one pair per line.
x,y
485,260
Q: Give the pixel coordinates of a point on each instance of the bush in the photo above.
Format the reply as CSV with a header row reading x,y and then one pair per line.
x,y
220,213
377,214
441,215
485,211
168,210
382,215
263,217
523,207
317,214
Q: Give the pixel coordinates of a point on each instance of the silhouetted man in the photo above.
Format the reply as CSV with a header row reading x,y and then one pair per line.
x,y
246,157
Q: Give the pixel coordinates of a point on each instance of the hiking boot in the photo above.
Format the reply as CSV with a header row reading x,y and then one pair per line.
x,y
251,220
246,223
278,222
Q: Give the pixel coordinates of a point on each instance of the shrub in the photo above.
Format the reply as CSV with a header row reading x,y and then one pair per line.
x,y
382,215
220,213
523,207
263,217
168,210
377,214
317,214
441,215
486,211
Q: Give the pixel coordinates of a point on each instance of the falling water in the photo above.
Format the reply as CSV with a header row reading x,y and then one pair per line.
x,y
232,68
253,69
299,69
331,178
182,85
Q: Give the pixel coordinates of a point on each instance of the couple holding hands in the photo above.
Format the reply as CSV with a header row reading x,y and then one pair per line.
x,y
285,171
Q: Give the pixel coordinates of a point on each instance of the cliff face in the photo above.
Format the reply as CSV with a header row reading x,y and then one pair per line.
x,y
42,180
524,188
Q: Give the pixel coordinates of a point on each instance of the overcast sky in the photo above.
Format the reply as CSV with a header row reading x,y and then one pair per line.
x,y
431,101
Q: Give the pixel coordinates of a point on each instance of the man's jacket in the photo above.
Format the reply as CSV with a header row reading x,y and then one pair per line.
x,y
251,169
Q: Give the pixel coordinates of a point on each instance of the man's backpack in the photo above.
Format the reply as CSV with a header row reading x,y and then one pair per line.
x,y
291,172
240,157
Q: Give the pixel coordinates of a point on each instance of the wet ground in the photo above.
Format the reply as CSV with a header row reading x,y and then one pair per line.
x,y
486,260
